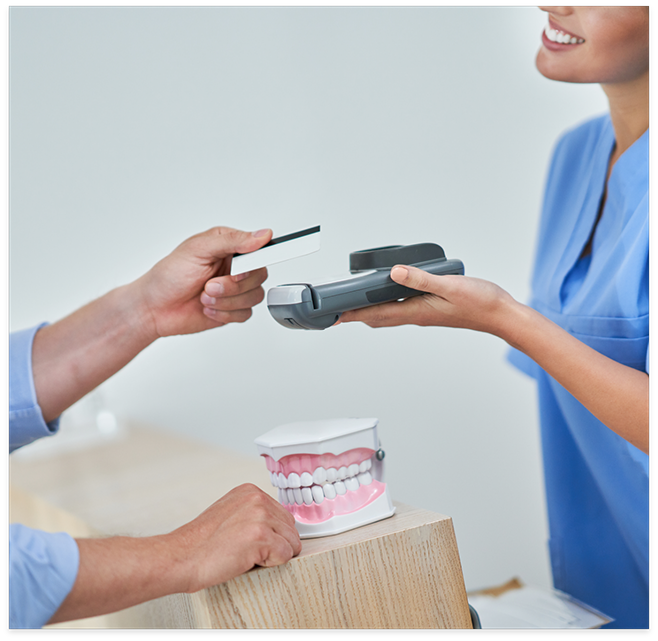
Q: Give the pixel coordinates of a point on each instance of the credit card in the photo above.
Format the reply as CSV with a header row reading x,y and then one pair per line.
x,y
299,243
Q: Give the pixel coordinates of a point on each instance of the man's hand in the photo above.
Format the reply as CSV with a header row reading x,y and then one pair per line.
x,y
190,290
245,528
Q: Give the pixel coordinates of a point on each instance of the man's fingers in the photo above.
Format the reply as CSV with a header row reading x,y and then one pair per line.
x,y
284,541
224,318
288,530
235,285
229,303
274,531
229,299
220,242
279,550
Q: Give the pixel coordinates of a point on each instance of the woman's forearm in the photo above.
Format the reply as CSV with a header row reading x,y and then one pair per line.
x,y
616,394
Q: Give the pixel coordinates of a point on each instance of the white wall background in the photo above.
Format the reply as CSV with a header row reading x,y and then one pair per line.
x,y
134,128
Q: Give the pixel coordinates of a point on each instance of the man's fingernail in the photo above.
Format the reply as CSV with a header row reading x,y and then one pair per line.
x,y
214,289
400,273
260,233
238,277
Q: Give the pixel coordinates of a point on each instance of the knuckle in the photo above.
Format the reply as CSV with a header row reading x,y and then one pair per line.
x,y
227,236
426,283
249,493
218,230
282,555
257,498
422,280
257,532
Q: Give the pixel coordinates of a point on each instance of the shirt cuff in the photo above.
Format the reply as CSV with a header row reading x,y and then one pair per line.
x,y
26,423
42,570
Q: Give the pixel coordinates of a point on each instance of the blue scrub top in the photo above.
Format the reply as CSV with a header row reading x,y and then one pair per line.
x,y
597,484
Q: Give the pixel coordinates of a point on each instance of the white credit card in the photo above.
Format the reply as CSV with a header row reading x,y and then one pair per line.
x,y
277,250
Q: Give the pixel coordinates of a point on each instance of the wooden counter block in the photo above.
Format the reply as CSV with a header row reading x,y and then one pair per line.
x,y
401,572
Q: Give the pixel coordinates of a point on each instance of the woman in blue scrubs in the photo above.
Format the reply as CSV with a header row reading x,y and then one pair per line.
x,y
584,335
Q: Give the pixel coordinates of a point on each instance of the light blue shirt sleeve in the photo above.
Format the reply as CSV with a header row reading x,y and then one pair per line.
x,y
26,422
42,566
42,570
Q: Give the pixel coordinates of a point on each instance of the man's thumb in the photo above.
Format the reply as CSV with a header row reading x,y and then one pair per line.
x,y
253,241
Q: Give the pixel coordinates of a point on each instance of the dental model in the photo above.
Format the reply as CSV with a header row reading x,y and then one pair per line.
x,y
329,474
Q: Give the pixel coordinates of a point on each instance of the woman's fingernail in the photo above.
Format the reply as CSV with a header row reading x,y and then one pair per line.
x,y
400,273
260,233
214,289
207,300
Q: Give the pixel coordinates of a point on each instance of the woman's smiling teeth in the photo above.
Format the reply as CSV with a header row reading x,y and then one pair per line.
x,y
554,35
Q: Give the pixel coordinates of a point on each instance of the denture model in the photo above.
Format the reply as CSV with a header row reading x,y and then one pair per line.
x,y
329,474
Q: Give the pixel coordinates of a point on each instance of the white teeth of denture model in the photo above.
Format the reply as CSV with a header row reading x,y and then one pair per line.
x,y
329,474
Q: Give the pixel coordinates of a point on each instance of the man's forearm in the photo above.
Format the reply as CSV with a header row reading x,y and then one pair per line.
x,y
120,572
616,394
74,355
246,527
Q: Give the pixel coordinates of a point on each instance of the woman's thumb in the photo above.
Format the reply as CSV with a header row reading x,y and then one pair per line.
x,y
412,277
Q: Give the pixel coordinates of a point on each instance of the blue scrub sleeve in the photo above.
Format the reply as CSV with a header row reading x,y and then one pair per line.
x,y
42,570
26,422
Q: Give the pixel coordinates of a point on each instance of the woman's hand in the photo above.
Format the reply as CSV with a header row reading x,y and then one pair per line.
x,y
190,290
449,301
616,394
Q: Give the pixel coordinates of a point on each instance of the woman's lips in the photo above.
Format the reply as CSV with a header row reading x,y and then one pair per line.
x,y
554,25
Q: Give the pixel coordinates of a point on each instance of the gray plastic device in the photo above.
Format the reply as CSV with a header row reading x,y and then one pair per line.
x,y
304,306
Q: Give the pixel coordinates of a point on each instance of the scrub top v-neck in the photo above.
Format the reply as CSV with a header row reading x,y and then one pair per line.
x,y
597,484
